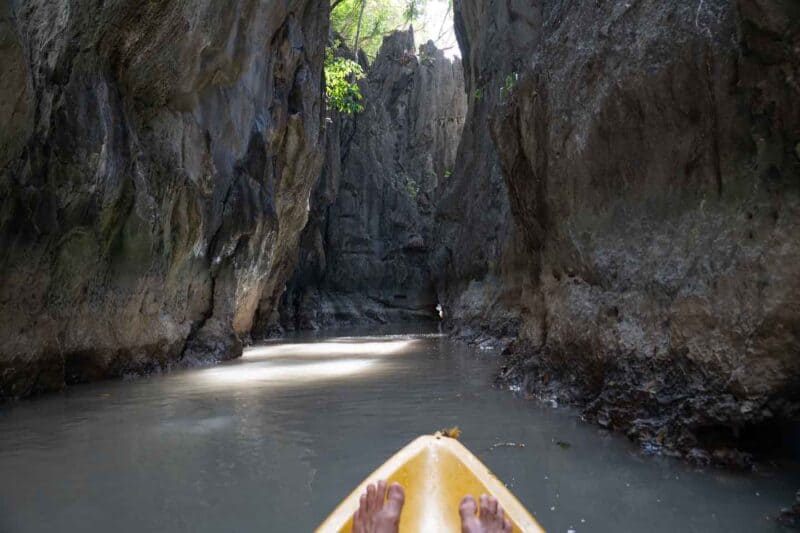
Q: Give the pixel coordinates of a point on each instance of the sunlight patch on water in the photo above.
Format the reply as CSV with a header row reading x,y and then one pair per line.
x,y
329,349
298,363
287,373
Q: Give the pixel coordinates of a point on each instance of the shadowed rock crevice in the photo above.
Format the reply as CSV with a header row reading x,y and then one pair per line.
x,y
364,255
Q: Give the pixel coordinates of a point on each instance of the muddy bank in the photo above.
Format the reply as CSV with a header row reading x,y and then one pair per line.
x,y
666,408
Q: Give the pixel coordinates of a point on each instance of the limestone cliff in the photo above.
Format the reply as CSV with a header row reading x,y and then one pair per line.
x,y
651,155
365,254
156,161
478,262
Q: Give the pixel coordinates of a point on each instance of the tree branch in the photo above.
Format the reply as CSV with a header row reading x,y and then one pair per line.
x,y
358,28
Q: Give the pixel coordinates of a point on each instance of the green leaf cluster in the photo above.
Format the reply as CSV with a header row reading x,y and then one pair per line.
x,y
341,83
412,188
509,84
381,17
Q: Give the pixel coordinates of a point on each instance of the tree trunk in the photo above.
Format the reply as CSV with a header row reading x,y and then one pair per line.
x,y
358,28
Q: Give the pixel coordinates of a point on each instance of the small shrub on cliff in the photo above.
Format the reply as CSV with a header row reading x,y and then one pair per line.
x,y
508,85
341,83
412,188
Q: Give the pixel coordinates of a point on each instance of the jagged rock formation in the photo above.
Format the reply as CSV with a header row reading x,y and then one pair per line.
x,y
651,154
478,262
365,254
155,167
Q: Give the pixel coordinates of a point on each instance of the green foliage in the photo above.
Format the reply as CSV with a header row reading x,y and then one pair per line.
x,y
341,83
448,173
508,85
412,188
381,17
478,94
413,11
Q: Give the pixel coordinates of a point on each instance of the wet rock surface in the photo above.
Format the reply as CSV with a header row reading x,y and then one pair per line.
x,y
480,264
365,254
790,516
650,162
155,167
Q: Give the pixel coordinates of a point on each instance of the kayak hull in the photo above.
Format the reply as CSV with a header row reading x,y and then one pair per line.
x,y
435,472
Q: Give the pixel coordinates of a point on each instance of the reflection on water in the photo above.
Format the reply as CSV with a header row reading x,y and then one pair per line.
x,y
346,346
296,363
271,442
287,373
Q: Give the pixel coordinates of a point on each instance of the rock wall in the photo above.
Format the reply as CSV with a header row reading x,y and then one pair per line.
x,y
365,254
155,166
651,154
479,262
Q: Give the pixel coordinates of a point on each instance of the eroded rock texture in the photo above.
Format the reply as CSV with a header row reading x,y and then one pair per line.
x,y
652,161
365,253
155,165
479,264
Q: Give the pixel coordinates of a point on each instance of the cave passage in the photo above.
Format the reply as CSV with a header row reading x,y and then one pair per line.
x,y
301,233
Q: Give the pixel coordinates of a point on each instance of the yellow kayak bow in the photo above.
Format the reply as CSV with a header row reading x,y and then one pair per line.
x,y
436,472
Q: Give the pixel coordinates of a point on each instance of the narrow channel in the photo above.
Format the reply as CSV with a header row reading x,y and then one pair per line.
x,y
272,442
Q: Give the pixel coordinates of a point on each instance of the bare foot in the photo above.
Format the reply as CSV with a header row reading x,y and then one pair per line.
x,y
490,520
375,515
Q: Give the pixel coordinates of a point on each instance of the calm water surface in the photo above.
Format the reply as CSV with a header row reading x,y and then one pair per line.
x,y
273,441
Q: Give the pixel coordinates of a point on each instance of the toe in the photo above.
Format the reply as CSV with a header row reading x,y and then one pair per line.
x,y
492,505
507,527
380,494
370,497
395,498
467,507
484,505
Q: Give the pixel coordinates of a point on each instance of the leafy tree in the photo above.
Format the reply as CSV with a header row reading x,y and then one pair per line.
x,y
341,83
412,11
363,27
358,27
355,21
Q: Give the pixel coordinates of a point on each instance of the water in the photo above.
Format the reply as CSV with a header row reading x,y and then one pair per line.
x,y
273,441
